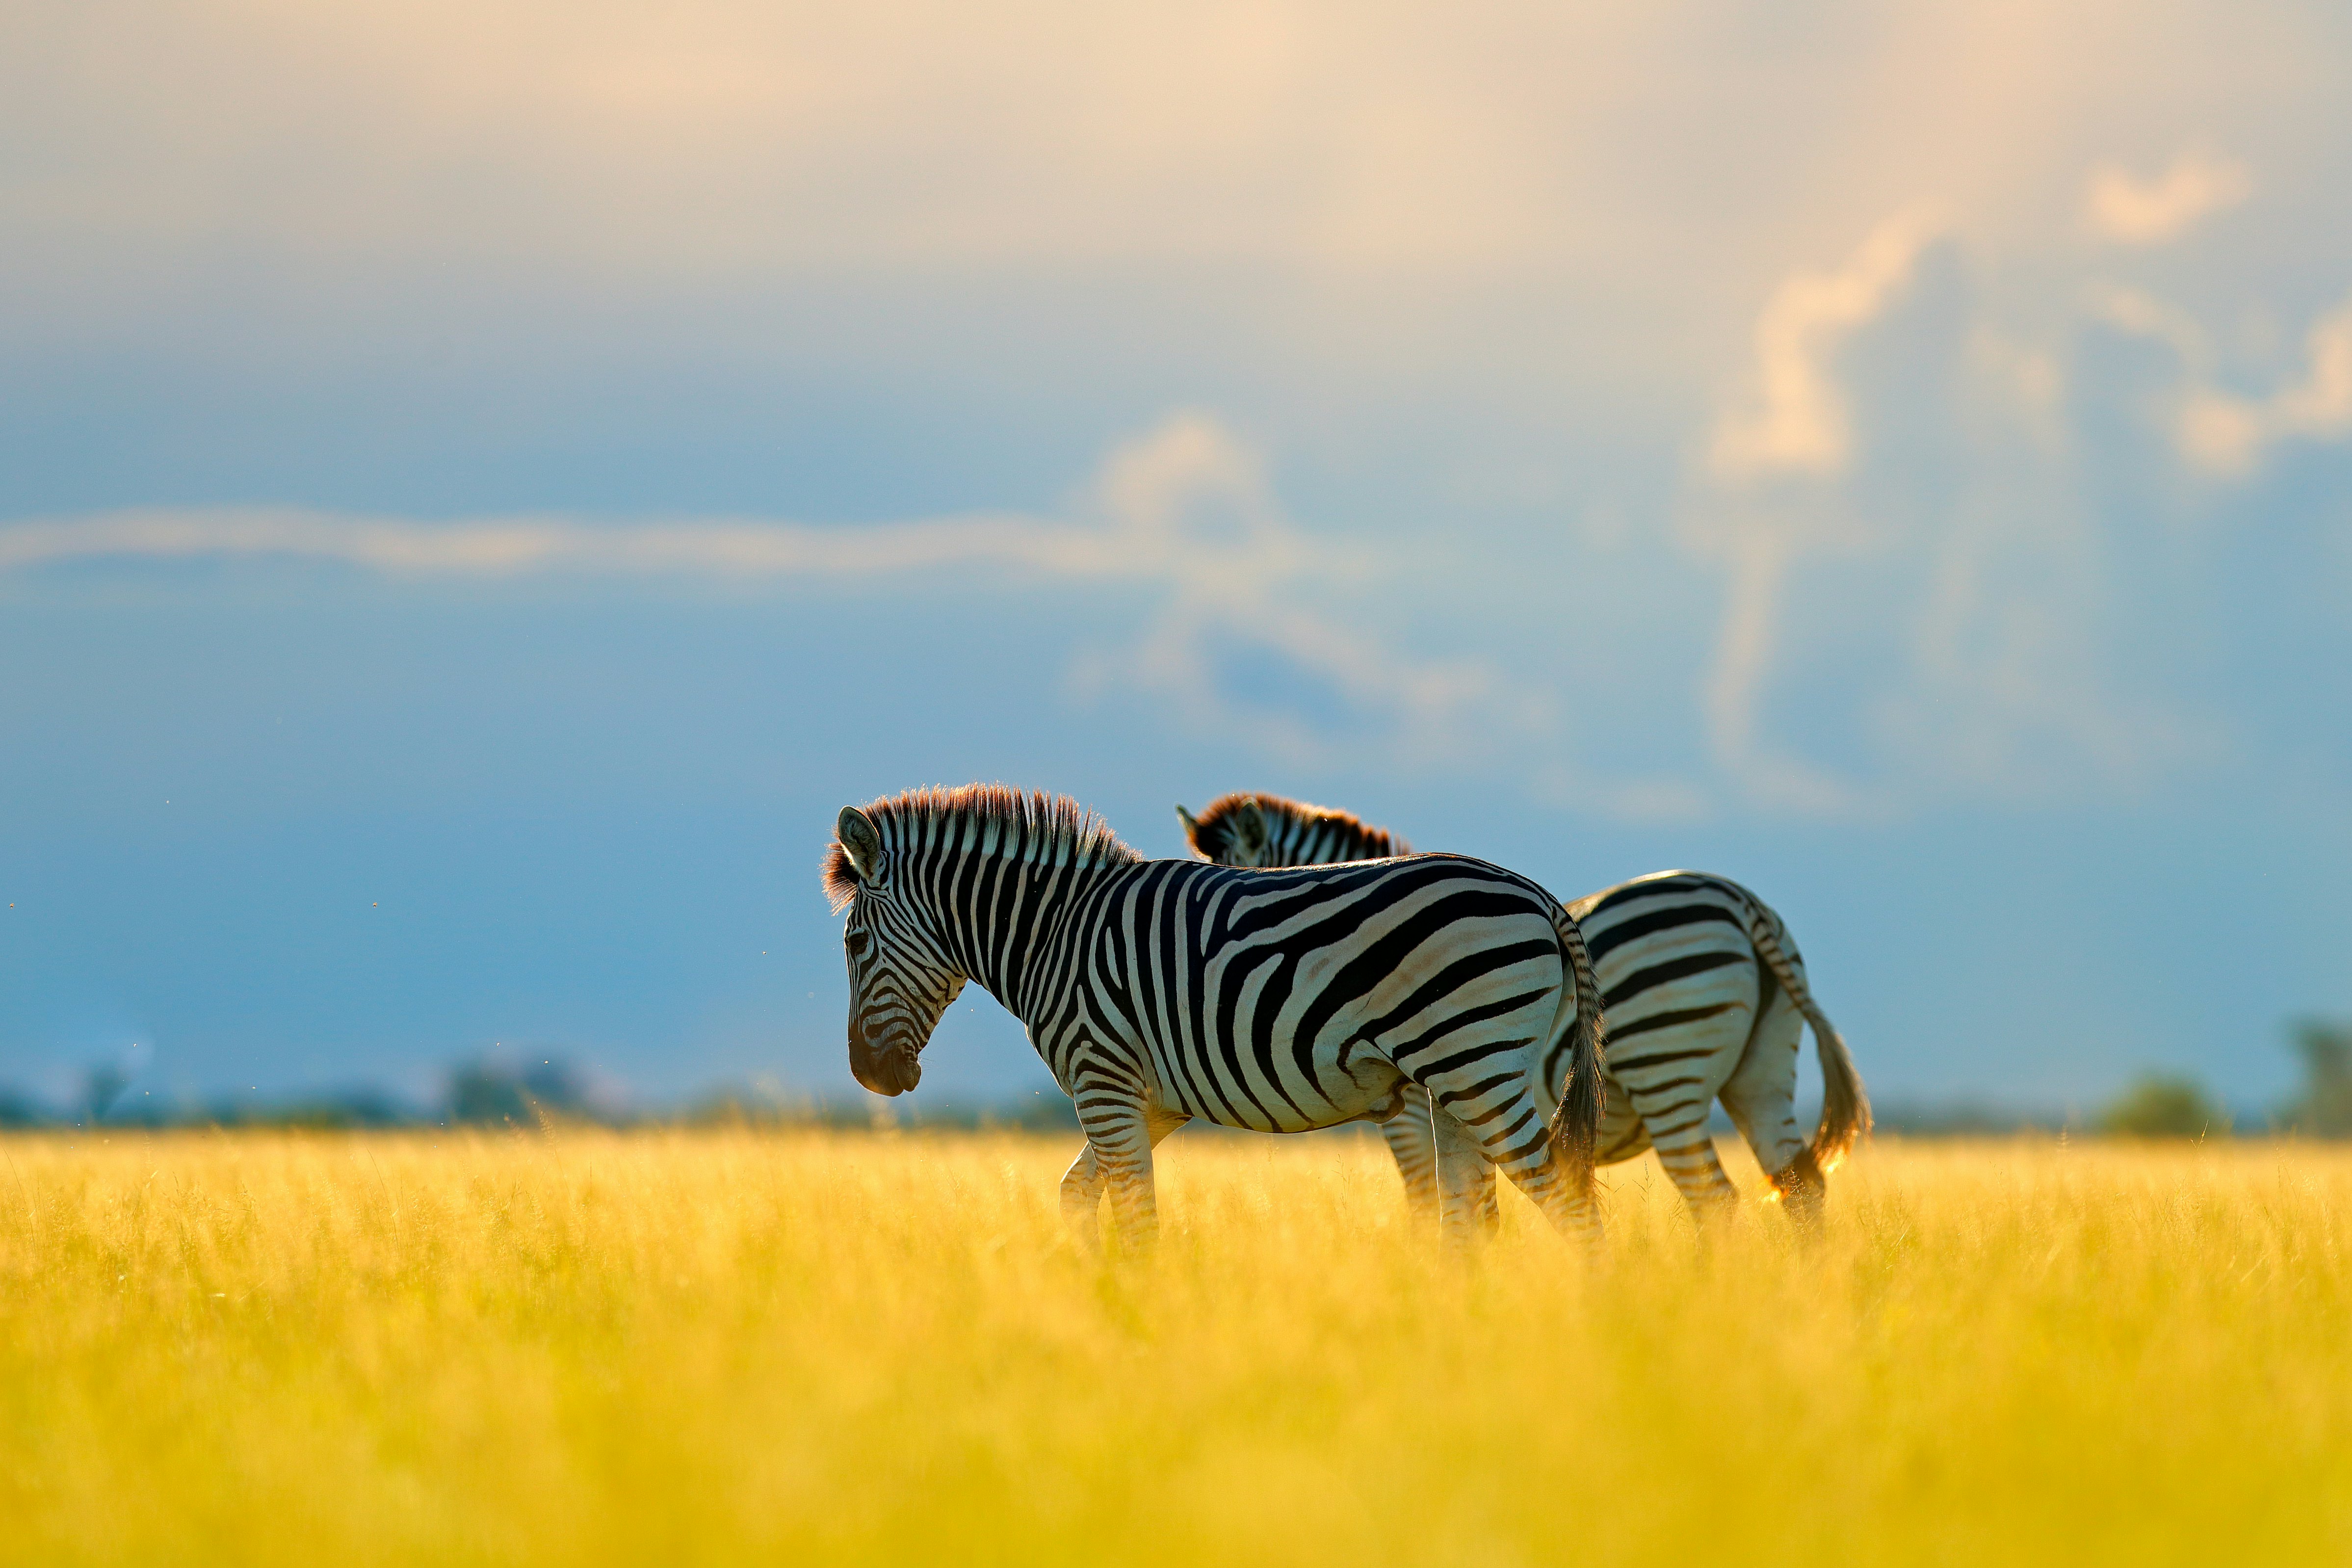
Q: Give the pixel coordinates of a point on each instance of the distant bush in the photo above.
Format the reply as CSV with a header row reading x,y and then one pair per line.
x,y
2324,1109
2160,1105
337,1112
766,1107
491,1093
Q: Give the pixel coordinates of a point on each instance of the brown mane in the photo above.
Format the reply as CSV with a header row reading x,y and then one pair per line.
x,y
1377,843
1051,828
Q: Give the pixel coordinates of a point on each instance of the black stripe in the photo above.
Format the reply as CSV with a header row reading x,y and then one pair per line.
x,y
1616,936
1657,1058
1460,1060
1665,974
1619,1034
1473,1092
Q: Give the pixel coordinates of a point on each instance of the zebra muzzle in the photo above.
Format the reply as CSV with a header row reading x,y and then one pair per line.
x,y
887,1070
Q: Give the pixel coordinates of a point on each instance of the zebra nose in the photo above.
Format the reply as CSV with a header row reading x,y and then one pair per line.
x,y
866,1065
885,1070
862,1069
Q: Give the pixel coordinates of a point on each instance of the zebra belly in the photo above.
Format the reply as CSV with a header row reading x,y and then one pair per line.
x,y
1361,1086
1409,1024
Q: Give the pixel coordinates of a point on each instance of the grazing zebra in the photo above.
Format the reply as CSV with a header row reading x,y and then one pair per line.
x,y
1706,998
1157,991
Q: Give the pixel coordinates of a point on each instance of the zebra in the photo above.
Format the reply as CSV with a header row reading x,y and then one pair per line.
x,y
1706,997
1160,990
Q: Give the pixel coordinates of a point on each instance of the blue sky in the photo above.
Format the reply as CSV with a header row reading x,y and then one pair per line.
x,y
485,484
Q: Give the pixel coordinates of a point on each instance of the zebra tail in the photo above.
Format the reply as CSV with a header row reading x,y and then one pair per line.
x,y
1576,1122
1845,1107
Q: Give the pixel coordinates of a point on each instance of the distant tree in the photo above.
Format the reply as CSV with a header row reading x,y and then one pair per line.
x,y
2162,1105
2324,1109
101,1088
497,1095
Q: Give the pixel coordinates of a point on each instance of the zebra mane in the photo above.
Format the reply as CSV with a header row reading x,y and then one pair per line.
x,y
1290,821
1029,826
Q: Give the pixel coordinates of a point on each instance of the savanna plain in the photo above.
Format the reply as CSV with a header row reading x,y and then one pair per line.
x,y
835,1347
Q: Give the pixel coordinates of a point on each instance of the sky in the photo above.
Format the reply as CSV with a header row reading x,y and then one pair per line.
x,y
482,485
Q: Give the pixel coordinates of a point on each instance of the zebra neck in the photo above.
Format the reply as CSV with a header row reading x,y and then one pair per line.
x,y
1001,921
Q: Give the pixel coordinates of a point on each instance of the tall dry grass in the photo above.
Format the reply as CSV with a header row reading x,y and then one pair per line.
x,y
809,1348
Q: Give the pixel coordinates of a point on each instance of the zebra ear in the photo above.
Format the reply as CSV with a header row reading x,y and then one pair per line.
x,y
859,841
1192,829
1251,834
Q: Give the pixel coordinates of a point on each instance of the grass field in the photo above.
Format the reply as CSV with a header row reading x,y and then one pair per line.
x,y
811,1347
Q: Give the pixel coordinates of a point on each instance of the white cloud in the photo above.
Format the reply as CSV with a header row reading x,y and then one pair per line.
x,y
1184,502
505,547
1184,508
1988,674
1798,423
1798,428
2227,435
2143,315
2121,207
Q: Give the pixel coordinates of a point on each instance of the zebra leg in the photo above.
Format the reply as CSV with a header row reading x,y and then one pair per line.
x,y
1412,1142
1119,1136
1761,1096
1623,1136
1465,1180
1520,1146
1082,1188
1671,1069
1082,1183
1490,1202
1677,1129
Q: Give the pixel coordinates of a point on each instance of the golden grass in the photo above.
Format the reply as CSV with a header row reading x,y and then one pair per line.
x,y
808,1347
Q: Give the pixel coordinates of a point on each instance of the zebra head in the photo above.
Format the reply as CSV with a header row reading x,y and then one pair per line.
x,y
1232,832
1268,830
900,978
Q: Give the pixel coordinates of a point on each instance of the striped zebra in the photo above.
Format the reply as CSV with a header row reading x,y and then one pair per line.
x,y
1706,998
1157,991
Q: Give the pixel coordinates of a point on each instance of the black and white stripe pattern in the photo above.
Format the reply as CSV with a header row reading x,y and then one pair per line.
x,y
1158,991
1706,998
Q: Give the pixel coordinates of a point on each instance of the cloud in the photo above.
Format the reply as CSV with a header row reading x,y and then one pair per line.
x,y
2227,436
509,547
2143,315
1798,428
1157,517
2130,211
1184,509
1798,423
1974,575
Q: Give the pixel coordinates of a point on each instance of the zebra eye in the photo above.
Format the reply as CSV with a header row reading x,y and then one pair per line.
x,y
857,940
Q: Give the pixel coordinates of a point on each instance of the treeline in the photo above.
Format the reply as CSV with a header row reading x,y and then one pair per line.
x,y
2166,1105
491,1094
555,1091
